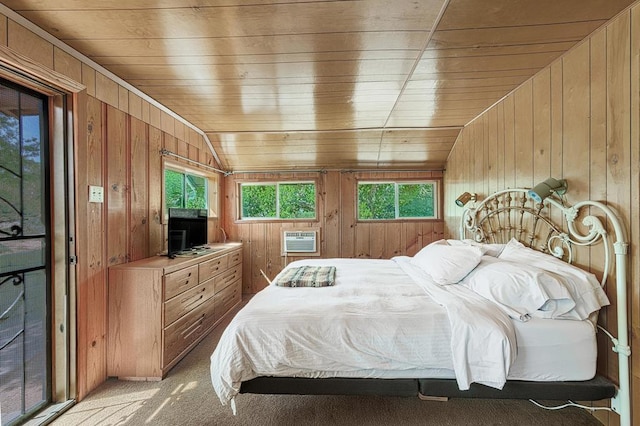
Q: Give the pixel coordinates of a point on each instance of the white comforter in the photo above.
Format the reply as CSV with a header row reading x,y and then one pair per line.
x,y
382,319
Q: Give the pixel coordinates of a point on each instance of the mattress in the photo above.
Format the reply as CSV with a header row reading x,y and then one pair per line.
x,y
555,350
548,350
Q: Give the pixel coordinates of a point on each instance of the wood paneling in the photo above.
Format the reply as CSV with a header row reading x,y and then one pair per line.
x,y
146,111
214,21
182,147
523,135
340,233
575,154
167,123
156,179
634,213
244,69
107,90
123,99
135,106
3,30
67,64
123,155
90,234
541,117
139,190
426,148
469,13
583,114
117,188
89,79
29,44
154,116
331,232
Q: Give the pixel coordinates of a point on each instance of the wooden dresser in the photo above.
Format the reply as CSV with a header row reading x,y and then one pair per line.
x,y
160,308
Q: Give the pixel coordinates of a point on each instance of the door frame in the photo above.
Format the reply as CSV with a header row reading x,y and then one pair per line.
x,y
64,97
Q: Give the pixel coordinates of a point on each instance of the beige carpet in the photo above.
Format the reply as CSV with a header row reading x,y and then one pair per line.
x,y
186,397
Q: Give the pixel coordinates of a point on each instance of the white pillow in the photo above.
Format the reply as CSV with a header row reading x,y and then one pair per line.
x,y
447,264
584,286
520,290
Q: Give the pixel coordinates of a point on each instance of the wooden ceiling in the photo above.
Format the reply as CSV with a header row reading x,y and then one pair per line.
x,y
335,84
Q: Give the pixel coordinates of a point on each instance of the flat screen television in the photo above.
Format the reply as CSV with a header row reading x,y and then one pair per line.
x,y
187,230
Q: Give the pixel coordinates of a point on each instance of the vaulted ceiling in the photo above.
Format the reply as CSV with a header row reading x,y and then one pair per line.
x,y
334,84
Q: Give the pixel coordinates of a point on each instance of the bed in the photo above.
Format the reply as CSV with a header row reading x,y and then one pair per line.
x,y
498,313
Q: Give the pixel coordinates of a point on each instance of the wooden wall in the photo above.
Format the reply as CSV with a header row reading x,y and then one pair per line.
x,y
123,156
122,153
119,136
340,233
577,119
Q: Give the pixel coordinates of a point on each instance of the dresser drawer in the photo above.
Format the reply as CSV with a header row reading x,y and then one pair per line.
x,y
226,299
211,267
187,330
235,258
179,281
187,301
227,277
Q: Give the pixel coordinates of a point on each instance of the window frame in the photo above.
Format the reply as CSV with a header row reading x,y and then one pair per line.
x,y
437,199
240,184
212,179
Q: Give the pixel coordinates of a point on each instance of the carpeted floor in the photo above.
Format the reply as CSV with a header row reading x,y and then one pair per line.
x,y
186,397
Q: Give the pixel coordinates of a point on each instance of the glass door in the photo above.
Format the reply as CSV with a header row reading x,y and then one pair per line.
x,y
25,300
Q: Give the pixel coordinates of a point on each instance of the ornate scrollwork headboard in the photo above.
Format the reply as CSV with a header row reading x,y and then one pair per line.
x,y
512,213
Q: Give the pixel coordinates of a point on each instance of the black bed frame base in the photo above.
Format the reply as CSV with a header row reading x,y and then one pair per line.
x,y
590,390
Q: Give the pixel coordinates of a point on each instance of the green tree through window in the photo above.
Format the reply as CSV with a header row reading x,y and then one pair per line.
x,y
376,201
259,201
297,200
396,200
415,200
285,200
184,190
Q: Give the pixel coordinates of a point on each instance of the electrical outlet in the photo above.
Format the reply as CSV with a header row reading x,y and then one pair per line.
x,y
96,194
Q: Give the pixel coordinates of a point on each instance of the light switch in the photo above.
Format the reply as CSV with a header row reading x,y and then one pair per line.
x,y
96,194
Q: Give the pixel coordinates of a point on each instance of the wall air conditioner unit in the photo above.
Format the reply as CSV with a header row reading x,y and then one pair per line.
x,y
302,242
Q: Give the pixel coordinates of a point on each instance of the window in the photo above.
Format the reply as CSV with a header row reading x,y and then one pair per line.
x,y
186,187
185,190
278,200
397,200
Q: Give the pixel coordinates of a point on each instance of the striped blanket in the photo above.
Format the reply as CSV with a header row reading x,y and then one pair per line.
x,y
307,276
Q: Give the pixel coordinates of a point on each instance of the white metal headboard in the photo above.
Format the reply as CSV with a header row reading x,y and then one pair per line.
x,y
511,214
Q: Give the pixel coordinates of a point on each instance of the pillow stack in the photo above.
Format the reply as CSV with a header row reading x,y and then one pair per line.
x,y
519,280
